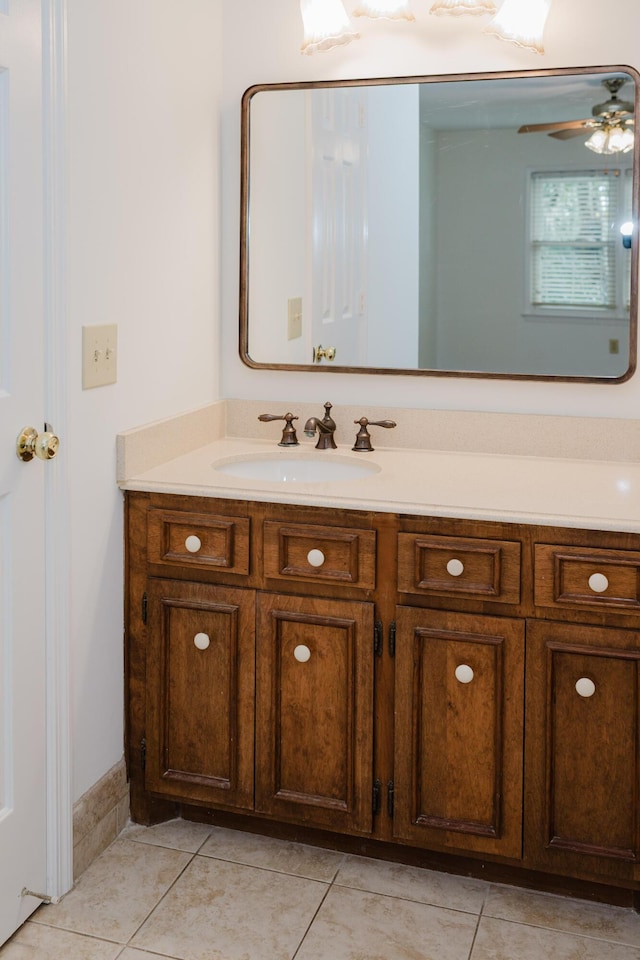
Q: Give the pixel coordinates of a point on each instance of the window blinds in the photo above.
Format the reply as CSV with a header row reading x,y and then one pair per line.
x,y
574,233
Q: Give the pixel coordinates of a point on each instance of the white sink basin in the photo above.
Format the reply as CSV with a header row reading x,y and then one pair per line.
x,y
288,469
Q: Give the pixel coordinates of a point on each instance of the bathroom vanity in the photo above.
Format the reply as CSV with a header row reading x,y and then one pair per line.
x,y
434,680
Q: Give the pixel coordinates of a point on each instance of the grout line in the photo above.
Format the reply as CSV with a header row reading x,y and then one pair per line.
x,y
406,899
566,933
312,921
480,916
257,866
159,901
475,936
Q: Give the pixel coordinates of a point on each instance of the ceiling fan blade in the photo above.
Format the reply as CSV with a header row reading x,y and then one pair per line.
x,y
547,127
568,134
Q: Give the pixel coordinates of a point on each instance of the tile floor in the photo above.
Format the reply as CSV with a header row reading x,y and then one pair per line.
x,y
193,892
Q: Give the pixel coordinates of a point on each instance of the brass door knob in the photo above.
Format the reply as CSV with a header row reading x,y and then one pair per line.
x,y
321,353
32,444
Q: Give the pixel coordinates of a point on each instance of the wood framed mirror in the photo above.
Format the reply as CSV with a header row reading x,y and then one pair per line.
x,y
466,225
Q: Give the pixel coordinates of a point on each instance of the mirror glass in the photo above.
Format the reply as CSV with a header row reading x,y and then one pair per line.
x,y
475,226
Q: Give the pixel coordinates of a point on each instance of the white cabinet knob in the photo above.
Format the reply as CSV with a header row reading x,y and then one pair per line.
x,y
316,558
585,687
598,582
455,568
464,673
302,653
201,641
193,543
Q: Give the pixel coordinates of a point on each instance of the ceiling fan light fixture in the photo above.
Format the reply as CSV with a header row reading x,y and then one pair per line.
x,y
521,22
384,9
457,7
326,24
607,140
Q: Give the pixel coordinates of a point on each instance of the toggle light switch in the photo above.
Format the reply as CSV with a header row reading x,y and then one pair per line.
x,y
99,355
294,318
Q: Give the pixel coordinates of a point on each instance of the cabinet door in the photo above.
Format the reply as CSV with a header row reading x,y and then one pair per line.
x,y
314,711
200,699
582,771
458,731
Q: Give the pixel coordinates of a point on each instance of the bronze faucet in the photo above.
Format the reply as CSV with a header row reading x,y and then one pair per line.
x,y
325,427
363,439
289,438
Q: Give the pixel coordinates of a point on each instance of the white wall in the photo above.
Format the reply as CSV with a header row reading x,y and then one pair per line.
x,y
144,82
262,45
278,221
393,229
481,277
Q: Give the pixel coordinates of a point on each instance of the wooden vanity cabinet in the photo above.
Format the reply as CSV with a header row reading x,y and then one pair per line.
x,y
314,709
409,681
200,669
582,810
242,698
459,695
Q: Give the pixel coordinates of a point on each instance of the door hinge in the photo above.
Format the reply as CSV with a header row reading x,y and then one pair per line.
x,y
143,754
377,797
392,638
145,607
390,798
378,638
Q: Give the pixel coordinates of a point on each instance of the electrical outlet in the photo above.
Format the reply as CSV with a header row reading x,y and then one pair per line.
x,y
99,355
614,346
294,318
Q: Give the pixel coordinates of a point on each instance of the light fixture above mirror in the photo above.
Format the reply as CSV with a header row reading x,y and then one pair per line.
x,y
327,24
384,9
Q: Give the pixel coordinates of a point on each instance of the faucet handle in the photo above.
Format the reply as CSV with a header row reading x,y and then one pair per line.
x,y
289,438
363,439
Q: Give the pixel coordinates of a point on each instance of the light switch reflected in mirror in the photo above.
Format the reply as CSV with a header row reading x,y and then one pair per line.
x,y
416,227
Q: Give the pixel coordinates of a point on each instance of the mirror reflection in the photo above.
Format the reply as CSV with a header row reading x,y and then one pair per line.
x,y
478,226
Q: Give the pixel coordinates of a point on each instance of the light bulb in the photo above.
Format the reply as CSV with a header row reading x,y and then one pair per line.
x,y
456,7
521,22
610,139
385,9
597,142
326,25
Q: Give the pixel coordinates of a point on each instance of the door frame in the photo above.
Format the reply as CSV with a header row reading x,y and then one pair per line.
x,y
59,806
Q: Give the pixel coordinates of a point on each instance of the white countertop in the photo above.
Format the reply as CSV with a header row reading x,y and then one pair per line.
x,y
595,494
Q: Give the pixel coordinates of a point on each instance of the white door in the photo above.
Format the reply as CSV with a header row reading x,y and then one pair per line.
x,y
23,783
339,227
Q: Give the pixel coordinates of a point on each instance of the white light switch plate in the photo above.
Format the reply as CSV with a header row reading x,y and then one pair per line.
x,y
294,318
99,355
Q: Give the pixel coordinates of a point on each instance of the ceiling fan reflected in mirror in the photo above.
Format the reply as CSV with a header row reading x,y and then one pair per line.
x,y
610,125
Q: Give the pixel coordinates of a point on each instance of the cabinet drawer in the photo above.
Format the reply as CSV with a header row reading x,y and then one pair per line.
x,y
587,577
459,567
340,555
199,540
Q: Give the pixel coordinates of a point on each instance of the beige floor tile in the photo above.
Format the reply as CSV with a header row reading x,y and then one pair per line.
x,y
282,856
177,834
227,911
561,913
352,925
118,891
413,883
36,942
503,940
